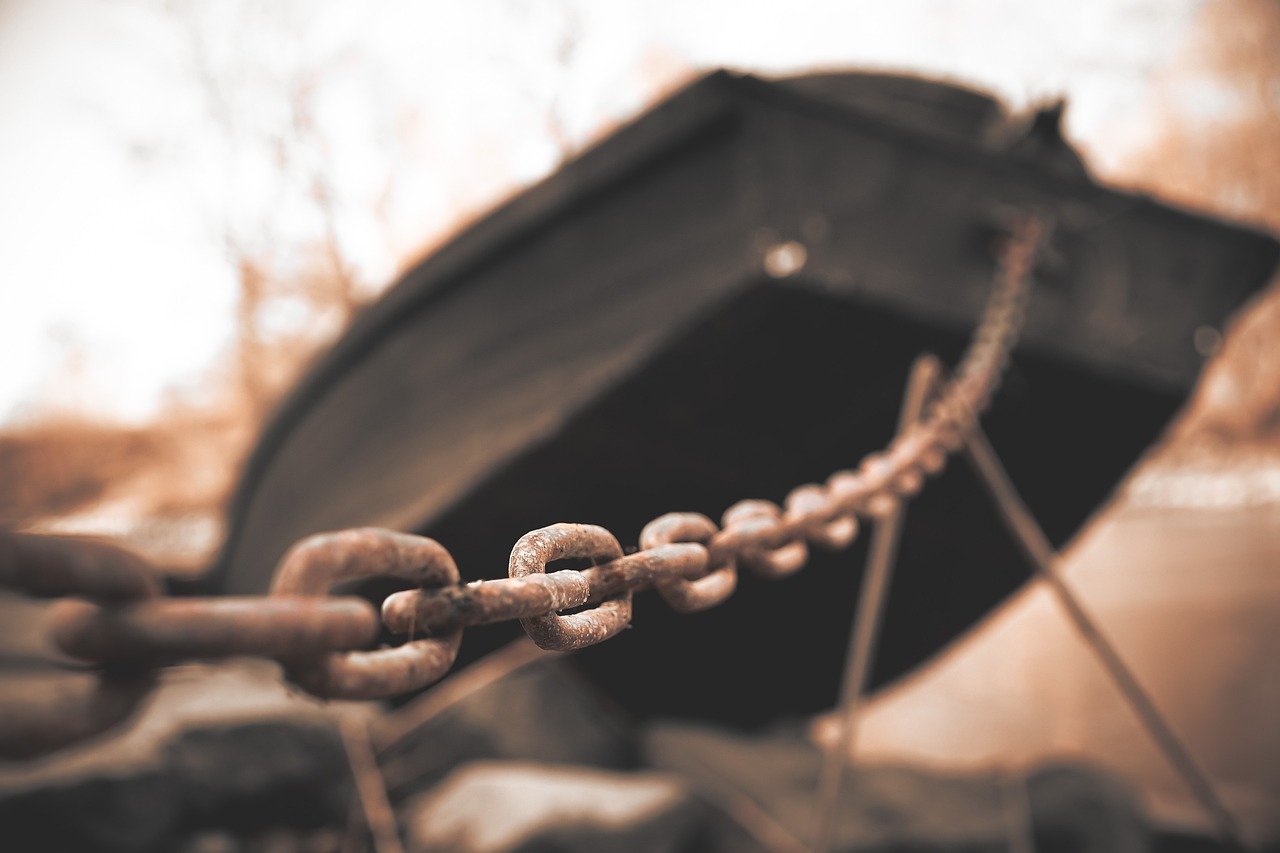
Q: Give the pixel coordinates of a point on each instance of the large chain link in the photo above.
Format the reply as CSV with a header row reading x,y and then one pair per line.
x,y
113,615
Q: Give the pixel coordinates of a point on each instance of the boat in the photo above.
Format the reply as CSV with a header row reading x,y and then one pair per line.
x,y
722,300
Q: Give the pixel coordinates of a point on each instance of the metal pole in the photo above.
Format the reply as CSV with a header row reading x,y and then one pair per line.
x,y
371,790
1030,537
866,624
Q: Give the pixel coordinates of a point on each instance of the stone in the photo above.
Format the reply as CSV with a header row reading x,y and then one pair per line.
x,y
225,748
541,712
1081,810
122,812
259,773
890,807
506,807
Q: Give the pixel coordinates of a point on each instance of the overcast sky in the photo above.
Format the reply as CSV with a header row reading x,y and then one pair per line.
x,y
134,136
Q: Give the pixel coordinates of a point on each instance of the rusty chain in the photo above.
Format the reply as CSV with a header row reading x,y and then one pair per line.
x,y
111,612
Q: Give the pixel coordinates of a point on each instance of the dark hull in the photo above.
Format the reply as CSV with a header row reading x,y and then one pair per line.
x,y
778,389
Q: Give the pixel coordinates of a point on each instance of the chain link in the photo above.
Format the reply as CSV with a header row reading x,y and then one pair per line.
x,y
115,617
318,562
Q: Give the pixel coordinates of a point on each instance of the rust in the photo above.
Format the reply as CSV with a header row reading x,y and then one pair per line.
x,y
315,564
750,531
378,674
43,713
318,562
880,476
769,549
175,629
54,566
323,641
922,445
719,578
849,491
645,568
483,602
812,511
909,480
562,542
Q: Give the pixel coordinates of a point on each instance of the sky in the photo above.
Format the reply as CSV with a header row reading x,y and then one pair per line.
x,y
140,155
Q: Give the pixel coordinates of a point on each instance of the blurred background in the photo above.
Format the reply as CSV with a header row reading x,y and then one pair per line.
x,y
199,196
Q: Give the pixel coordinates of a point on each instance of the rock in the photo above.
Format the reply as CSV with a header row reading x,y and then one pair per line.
x,y
1084,810
187,697
240,777
487,807
260,774
128,811
898,807
224,748
541,712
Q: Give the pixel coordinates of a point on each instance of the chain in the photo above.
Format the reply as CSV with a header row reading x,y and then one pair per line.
x,y
111,613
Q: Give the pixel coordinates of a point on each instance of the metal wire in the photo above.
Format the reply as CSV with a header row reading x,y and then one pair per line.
x,y
863,637
1035,545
